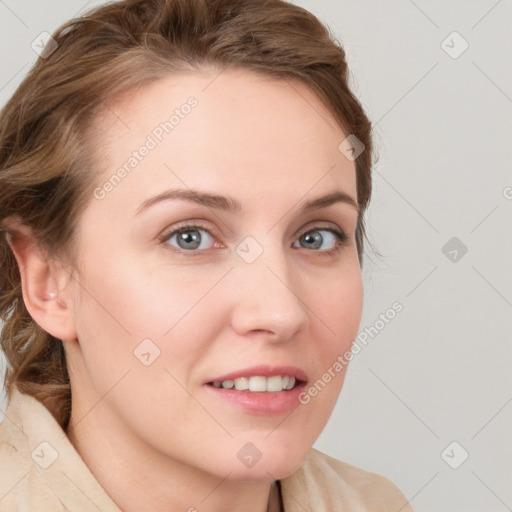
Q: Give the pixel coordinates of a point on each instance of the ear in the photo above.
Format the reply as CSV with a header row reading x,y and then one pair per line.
x,y
44,282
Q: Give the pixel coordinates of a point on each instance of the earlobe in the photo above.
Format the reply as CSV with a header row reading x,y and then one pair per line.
x,y
40,280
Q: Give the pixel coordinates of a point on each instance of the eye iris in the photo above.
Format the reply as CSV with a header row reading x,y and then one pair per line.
x,y
191,239
316,239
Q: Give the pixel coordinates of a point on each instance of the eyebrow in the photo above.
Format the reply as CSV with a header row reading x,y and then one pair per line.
x,y
231,205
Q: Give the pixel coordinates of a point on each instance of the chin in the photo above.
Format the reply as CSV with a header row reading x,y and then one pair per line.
x,y
257,457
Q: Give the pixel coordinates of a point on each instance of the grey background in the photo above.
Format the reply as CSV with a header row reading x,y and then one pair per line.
x,y
440,370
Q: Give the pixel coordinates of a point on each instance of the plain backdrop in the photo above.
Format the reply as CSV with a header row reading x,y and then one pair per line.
x,y
427,402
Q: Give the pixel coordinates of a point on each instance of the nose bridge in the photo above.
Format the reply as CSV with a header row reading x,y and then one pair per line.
x,y
268,294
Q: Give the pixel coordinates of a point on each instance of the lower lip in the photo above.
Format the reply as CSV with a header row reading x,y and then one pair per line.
x,y
262,403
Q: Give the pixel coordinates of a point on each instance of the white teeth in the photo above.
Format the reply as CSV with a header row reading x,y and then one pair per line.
x,y
242,383
258,383
274,384
291,383
227,384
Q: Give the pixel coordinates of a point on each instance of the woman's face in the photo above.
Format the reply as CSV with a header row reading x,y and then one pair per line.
x,y
256,290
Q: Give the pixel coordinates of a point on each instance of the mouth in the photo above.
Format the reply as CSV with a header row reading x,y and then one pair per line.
x,y
259,383
261,390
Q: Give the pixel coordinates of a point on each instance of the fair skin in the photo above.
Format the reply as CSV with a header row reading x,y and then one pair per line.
x,y
161,437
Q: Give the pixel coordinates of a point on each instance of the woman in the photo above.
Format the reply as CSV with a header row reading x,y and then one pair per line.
x,y
184,184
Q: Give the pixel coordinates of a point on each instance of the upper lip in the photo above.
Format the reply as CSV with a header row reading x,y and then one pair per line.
x,y
263,371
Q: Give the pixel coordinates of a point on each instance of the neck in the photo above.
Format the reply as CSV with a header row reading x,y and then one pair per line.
x,y
140,479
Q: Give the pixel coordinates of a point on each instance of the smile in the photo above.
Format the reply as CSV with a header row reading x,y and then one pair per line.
x,y
258,383
261,390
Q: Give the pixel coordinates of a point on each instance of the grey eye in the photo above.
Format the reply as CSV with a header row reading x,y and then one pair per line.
x,y
189,239
314,240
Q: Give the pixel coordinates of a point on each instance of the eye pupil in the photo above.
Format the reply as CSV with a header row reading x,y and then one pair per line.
x,y
191,239
316,239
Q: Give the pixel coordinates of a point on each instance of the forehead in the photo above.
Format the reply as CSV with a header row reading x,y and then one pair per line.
x,y
233,129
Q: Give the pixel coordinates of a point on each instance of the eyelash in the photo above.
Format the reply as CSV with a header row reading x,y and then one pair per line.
x,y
341,239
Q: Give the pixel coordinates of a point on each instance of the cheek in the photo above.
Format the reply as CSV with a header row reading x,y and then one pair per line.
x,y
340,307
126,302
339,314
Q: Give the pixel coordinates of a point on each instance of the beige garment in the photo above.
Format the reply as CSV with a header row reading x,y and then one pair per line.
x,y
40,471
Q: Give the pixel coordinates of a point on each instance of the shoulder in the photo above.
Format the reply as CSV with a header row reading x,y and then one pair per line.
x,y
14,463
39,465
332,485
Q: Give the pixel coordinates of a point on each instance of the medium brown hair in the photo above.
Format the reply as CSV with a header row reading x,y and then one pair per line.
x,y
45,170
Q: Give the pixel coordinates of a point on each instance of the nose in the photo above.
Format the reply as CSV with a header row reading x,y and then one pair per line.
x,y
268,300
